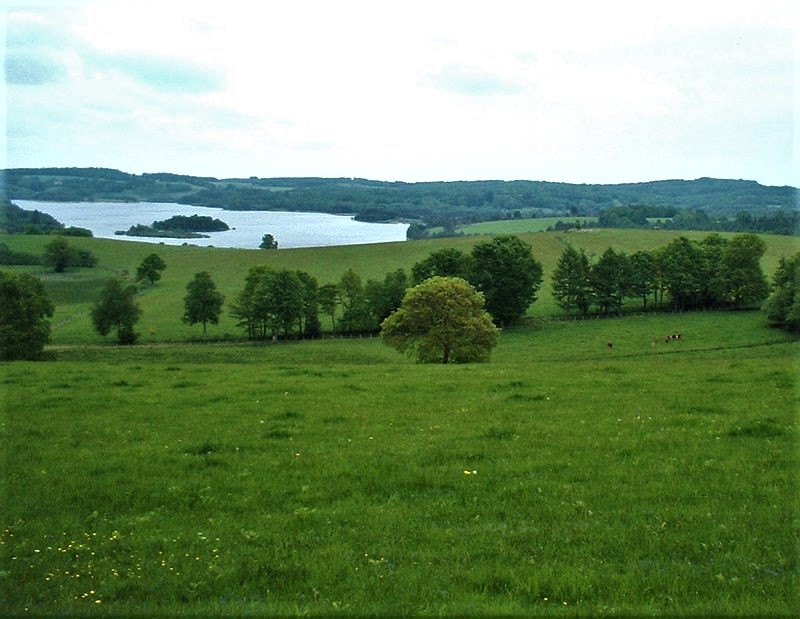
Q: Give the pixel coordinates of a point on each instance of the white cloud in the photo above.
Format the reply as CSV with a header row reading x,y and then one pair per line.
x,y
585,92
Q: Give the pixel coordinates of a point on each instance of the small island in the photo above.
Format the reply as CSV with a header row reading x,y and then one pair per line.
x,y
178,227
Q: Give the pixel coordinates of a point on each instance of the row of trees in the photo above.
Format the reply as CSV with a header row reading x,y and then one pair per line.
x,y
282,302
784,220
712,273
499,275
117,310
783,305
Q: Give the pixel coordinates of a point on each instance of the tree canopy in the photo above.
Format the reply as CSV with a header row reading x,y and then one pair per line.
x,y
783,305
570,280
149,271
117,310
442,320
60,255
24,312
203,302
508,275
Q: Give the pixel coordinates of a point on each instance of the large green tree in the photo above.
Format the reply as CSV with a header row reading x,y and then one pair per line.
x,y
384,297
643,275
570,281
24,312
252,305
508,275
309,325
783,305
744,280
60,255
442,320
712,271
272,302
355,310
203,302
149,271
117,310
610,280
447,262
328,301
682,262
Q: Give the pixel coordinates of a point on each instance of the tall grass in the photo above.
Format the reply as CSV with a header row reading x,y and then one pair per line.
x,y
333,477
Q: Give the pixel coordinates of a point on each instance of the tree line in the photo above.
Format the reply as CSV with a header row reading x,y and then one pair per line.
x,y
785,220
430,204
683,275
287,303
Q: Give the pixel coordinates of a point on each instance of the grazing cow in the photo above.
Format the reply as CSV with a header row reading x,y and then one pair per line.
x,y
610,344
667,338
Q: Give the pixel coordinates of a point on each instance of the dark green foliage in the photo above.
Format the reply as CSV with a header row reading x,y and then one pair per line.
x,y
442,320
202,303
75,231
328,297
571,286
643,275
117,310
508,275
711,273
149,271
683,273
384,297
9,256
783,305
635,216
60,255
447,262
714,272
268,242
355,310
696,204
745,283
273,302
191,223
178,226
610,279
308,324
16,220
24,313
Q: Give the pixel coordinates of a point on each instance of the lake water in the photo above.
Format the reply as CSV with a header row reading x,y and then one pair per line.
x,y
247,227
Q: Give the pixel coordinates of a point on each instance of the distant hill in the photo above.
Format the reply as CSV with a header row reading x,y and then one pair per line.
x,y
431,203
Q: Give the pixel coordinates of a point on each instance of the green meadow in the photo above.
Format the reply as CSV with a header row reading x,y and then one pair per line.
x,y
565,477
520,226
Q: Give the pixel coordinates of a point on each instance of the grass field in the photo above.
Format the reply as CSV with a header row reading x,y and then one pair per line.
x,y
338,477
74,292
520,226
565,477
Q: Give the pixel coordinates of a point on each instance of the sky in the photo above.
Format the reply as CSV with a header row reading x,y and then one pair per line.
x,y
432,90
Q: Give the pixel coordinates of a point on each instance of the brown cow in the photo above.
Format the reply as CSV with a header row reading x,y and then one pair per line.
x,y
667,338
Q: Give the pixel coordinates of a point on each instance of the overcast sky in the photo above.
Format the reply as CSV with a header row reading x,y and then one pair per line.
x,y
584,92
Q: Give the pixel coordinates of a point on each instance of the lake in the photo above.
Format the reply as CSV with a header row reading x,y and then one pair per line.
x,y
247,227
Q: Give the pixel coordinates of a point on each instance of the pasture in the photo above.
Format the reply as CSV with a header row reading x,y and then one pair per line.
x,y
520,226
338,477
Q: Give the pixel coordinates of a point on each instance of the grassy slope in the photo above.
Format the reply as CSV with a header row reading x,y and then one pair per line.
x,y
520,226
162,306
337,476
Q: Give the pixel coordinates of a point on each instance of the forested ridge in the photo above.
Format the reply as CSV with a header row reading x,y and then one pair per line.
x,y
704,203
